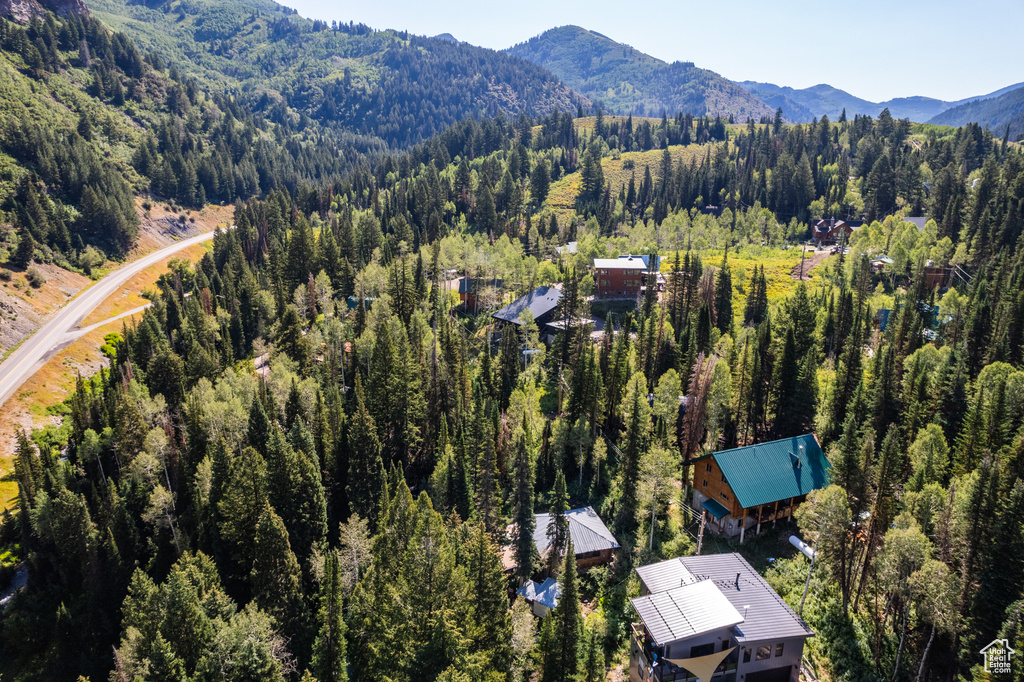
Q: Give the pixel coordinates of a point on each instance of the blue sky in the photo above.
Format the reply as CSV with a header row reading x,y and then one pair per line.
x,y
875,49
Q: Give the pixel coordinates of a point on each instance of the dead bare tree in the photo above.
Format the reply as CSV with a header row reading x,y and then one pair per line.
x,y
692,430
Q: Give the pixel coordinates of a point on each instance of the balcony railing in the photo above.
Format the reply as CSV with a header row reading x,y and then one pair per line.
x,y
666,672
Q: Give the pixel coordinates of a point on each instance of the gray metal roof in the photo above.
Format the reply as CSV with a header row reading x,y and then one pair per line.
x,y
586,529
683,612
540,301
918,221
665,575
547,593
766,614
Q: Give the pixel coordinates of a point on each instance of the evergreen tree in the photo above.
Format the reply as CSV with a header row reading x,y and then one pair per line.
x,y
276,581
558,524
562,650
508,364
328,661
492,625
366,468
525,522
23,255
723,297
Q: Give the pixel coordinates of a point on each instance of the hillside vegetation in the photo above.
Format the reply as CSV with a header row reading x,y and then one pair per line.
x,y
625,80
996,114
369,87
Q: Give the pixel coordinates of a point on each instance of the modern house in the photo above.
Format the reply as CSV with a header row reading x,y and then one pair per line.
x,y
541,302
747,487
542,597
827,232
619,277
713,618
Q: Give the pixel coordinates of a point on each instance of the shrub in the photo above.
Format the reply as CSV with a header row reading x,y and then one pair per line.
x,y
147,206
6,275
35,278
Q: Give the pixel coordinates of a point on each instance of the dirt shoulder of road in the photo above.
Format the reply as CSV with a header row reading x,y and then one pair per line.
x,y
27,408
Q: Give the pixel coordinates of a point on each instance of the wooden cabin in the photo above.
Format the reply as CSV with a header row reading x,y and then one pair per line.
x,y
748,487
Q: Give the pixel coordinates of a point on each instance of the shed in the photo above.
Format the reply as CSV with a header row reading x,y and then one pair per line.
x,y
542,597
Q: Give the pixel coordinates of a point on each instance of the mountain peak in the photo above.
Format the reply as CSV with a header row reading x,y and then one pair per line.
x,y
626,80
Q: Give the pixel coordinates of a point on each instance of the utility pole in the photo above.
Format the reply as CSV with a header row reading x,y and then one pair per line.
x,y
814,555
700,534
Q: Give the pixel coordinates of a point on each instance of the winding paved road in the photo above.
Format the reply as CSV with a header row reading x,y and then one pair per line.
x,y
34,350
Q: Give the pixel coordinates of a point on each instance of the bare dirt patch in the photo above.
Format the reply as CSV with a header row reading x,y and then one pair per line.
x,y
812,259
162,227
24,309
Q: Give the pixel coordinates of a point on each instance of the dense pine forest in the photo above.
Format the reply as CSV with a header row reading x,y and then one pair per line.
x,y
306,460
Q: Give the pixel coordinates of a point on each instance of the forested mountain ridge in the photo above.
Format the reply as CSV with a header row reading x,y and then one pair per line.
x,y
997,114
25,10
90,122
380,87
625,80
825,100
259,113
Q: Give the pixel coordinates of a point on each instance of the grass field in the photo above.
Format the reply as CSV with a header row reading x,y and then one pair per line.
x,y
617,171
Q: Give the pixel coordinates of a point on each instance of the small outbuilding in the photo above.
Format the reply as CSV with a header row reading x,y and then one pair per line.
x,y
542,597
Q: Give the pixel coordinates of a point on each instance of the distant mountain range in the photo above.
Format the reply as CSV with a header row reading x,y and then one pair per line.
x,y
825,100
623,79
997,113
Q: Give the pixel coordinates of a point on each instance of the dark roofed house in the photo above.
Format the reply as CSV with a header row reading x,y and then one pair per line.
x,y
825,232
714,618
748,486
918,221
592,542
541,302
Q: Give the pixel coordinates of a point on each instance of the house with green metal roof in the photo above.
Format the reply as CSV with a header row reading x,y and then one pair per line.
x,y
745,488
